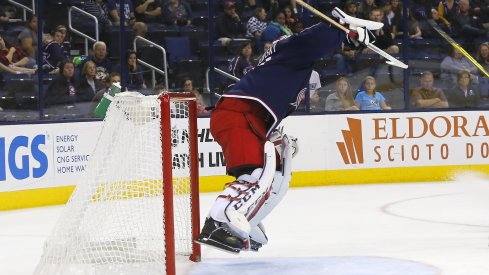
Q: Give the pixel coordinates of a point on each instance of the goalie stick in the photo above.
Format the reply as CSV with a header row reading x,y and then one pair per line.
x,y
456,45
390,59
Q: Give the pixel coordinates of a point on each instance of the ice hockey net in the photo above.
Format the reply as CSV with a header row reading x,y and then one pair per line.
x,y
137,206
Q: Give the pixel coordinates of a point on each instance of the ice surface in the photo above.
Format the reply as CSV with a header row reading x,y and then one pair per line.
x,y
381,229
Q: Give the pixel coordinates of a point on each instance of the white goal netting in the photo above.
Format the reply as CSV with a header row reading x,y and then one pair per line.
x,y
114,222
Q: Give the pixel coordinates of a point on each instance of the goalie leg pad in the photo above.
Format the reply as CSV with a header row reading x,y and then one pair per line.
x,y
241,200
257,234
280,183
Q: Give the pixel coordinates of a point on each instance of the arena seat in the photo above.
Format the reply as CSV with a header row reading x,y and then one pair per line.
x,y
178,48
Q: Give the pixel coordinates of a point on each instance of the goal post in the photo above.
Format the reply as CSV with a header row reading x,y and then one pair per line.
x,y
137,206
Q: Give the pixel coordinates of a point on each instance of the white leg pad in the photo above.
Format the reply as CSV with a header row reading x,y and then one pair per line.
x,y
257,234
280,183
243,198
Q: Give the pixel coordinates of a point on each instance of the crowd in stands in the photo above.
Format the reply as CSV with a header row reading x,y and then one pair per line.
x,y
244,30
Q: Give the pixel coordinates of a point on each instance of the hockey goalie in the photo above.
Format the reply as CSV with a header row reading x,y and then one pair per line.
x,y
244,123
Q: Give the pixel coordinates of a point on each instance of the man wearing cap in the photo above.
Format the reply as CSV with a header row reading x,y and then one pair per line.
x,y
229,24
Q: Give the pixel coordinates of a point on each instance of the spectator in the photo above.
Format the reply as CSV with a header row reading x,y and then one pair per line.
x,y
384,38
53,52
421,9
113,7
139,30
342,98
291,3
243,62
267,45
113,78
229,25
447,10
177,12
414,29
369,98
483,56
445,26
366,8
346,59
256,24
393,13
88,85
426,96
314,86
14,59
451,65
134,78
65,44
149,11
276,29
466,24
4,19
481,9
160,89
102,62
464,94
62,90
297,27
28,37
351,8
189,88
99,9
271,6
290,17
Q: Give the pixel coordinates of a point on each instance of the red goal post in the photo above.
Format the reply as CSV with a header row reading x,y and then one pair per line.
x,y
166,107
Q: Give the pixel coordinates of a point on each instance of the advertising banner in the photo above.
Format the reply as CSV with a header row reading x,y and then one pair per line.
x,y
51,155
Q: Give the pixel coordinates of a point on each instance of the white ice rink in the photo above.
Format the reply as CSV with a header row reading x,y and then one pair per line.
x,y
398,229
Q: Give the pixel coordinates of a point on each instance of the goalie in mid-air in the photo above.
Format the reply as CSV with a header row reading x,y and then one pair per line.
x,y
244,123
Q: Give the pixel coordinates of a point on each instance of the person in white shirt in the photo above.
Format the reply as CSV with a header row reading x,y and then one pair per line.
x,y
314,86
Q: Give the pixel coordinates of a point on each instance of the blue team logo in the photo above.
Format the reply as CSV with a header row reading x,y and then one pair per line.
x,y
23,158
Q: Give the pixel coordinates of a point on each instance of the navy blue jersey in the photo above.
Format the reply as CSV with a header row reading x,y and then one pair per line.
x,y
280,79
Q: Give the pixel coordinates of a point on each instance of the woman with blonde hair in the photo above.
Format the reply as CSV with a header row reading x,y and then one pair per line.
x,y
369,98
342,98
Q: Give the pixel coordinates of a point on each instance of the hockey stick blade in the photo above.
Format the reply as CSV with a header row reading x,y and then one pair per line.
x,y
390,59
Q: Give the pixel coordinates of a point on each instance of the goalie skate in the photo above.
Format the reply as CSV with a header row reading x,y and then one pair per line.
x,y
254,245
217,235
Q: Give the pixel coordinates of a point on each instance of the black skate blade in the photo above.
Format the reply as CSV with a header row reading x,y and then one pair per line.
x,y
254,246
217,245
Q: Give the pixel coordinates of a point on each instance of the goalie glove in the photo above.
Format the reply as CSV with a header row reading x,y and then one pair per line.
x,y
360,29
360,38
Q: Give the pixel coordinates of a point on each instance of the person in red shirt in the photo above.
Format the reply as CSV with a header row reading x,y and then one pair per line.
x,y
14,57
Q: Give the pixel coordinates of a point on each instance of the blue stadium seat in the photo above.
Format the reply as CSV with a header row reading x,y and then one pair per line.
x,y
178,48
195,35
157,33
24,91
